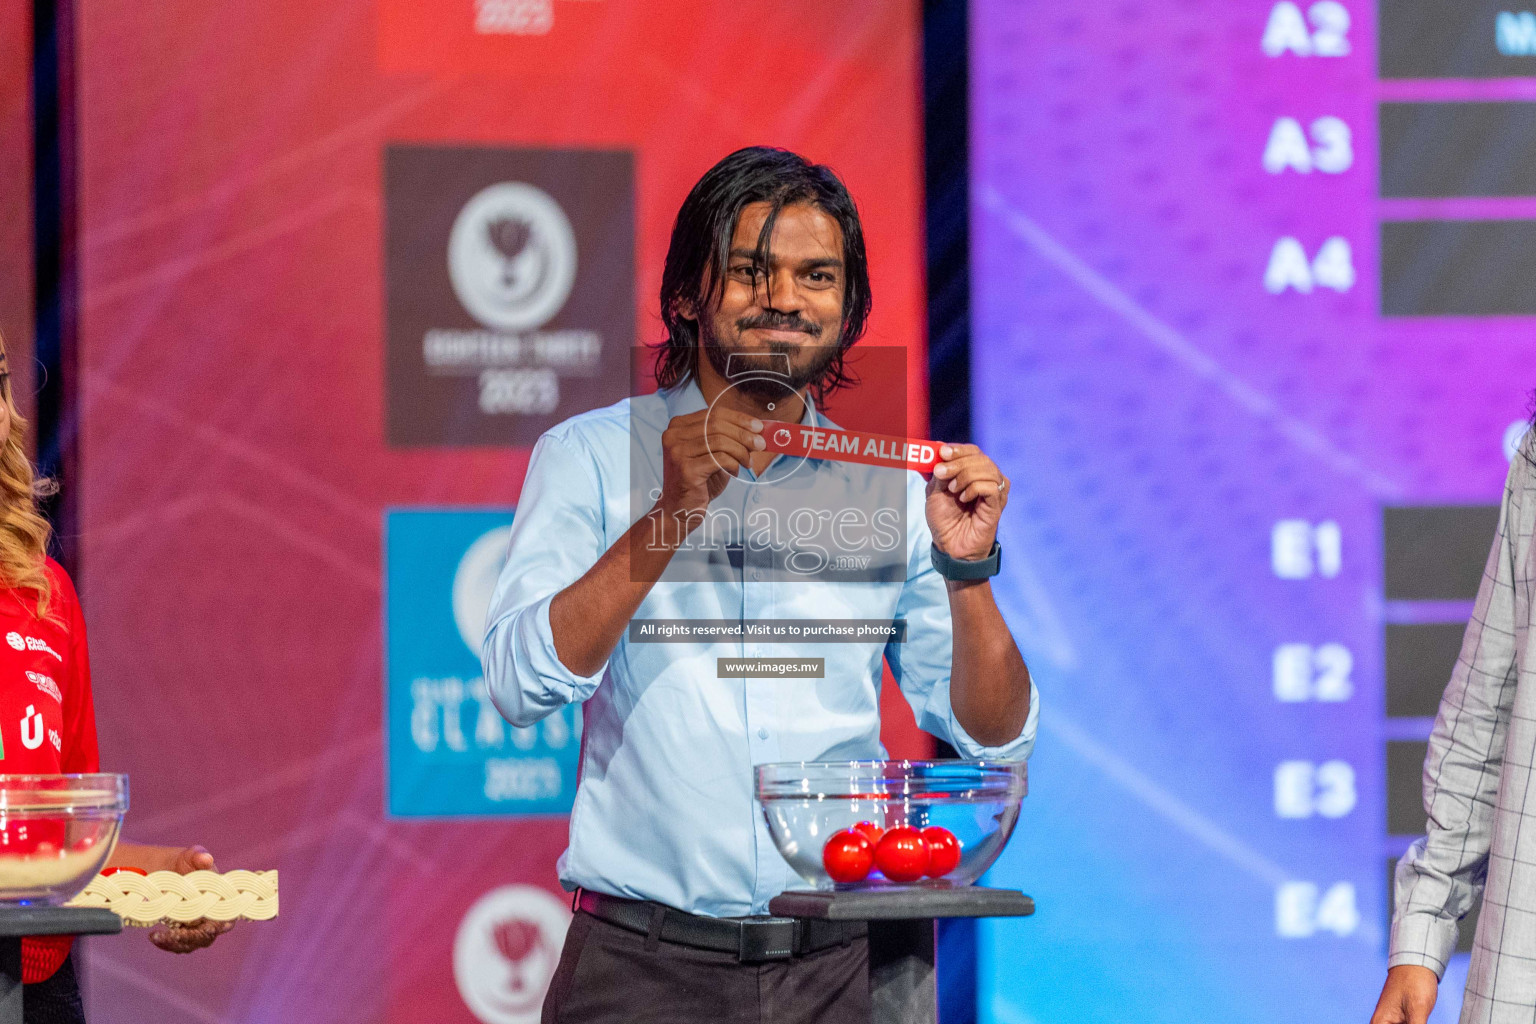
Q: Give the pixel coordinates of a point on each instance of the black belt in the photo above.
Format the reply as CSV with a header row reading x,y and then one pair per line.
x,y
749,939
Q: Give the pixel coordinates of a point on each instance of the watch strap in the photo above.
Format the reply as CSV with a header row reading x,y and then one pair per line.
x,y
965,569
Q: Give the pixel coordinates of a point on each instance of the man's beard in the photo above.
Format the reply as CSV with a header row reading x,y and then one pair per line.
x,y
760,372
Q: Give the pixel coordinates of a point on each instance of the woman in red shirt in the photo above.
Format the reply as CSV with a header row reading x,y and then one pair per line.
x,y
47,721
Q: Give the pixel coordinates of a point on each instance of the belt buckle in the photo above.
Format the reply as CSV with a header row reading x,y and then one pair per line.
x,y
773,939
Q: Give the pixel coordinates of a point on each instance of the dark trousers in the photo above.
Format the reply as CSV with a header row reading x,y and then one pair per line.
x,y
55,1001
609,975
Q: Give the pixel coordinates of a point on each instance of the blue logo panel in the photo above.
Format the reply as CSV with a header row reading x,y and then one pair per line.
x,y
449,752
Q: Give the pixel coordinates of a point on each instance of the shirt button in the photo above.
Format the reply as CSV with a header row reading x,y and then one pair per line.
x,y
762,734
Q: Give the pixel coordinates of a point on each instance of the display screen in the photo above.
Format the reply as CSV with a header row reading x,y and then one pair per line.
x,y
1252,338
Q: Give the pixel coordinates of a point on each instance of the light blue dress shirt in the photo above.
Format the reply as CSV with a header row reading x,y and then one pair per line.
x,y
665,809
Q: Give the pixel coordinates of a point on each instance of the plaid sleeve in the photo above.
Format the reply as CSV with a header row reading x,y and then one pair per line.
x,y
1442,874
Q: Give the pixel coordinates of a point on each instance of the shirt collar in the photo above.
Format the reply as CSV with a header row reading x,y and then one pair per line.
x,y
682,399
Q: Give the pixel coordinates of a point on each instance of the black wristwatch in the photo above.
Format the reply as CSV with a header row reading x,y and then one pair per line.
x,y
964,569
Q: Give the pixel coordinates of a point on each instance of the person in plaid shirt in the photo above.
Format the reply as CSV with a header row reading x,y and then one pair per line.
x,y
1480,795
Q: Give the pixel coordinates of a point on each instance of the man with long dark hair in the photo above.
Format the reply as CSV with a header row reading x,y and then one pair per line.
x,y
1479,791
646,513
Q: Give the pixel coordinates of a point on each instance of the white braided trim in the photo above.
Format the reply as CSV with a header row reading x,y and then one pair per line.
x,y
167,896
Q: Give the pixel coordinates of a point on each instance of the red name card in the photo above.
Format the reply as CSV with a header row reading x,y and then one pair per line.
x,y
850,446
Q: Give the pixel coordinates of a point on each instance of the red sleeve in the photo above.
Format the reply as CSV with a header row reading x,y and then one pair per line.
x,y
80,752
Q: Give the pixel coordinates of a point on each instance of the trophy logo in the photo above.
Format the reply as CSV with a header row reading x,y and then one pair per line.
x,y
521,944
512,257
509,290
506,952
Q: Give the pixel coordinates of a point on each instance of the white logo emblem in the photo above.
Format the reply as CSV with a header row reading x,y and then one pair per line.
x,y
47,685
31,643
474,583
514,17
32,729
506,951
512,257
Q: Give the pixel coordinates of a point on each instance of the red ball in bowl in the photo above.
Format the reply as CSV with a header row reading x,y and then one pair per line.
x,y
869,830
902,855
848,856
943,851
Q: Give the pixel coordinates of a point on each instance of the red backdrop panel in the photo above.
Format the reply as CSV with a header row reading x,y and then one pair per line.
x,y
234,462
16,194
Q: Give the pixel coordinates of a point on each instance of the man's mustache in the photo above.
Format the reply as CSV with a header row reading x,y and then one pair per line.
x,y
781,322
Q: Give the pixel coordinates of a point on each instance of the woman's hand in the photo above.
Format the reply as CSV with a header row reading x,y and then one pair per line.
x,y
173,936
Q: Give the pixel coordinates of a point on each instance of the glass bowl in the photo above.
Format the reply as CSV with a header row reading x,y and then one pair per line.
x,y
812,807
56,832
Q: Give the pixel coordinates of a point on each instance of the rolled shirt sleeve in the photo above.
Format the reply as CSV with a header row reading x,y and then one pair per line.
x,y
923,664
557,535
1442,874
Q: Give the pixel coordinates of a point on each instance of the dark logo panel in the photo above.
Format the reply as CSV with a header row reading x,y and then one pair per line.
x,y
510,300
